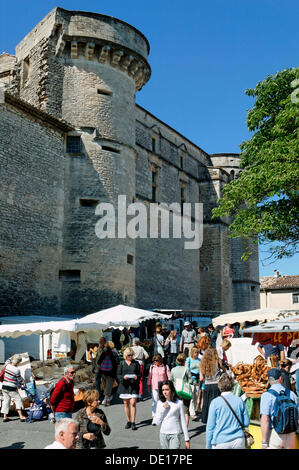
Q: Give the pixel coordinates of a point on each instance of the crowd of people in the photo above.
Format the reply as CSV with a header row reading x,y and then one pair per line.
x,y
188,377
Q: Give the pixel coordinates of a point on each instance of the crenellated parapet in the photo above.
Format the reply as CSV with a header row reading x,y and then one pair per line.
x,y
93,49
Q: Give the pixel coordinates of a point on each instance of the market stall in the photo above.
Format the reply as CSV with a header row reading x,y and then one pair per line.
x,y
284,331
48,371
260,315
122,315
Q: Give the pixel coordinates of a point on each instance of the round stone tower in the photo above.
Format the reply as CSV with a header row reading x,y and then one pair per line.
x,y
86,68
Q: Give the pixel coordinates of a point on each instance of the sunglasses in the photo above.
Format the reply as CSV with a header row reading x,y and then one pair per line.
x,y
128,355
72,372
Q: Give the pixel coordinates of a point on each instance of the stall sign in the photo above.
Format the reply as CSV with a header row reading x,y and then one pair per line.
x,y
276,338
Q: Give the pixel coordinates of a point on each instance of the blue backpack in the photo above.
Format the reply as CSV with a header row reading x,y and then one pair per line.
x,y
285,418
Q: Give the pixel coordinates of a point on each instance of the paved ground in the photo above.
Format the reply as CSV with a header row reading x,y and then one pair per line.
x,y
17,435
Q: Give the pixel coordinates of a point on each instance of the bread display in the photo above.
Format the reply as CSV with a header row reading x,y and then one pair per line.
x,y
252,379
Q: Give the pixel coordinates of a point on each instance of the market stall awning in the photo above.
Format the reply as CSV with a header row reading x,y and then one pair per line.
x,y
15,330
262,314
122,315
283,331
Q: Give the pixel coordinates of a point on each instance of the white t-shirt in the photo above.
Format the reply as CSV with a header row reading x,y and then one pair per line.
x,y
55,445
158,341
139,353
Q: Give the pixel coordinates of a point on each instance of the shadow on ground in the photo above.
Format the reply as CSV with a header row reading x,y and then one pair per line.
x,y
15,445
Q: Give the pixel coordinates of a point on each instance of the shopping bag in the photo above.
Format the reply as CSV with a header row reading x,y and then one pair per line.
x,y
183,387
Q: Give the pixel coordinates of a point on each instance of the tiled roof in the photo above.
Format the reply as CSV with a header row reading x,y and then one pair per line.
x,y
281,282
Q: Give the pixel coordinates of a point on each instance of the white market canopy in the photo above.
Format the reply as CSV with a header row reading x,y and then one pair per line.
x,y
122,315
262,314
15,330
283,325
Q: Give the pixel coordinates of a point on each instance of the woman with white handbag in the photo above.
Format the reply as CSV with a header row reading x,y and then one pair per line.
x,y
170,415
182,379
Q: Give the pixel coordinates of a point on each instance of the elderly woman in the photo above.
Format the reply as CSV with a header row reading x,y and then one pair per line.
x,y
223,429
92,422
12,380
140,355
128,376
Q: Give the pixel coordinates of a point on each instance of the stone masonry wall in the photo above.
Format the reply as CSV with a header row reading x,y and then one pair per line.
x,y
86,68
31,207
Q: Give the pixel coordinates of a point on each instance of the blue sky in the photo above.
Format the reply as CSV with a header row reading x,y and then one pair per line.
x,y
204,54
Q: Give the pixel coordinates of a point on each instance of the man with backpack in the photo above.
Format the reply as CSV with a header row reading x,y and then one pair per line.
x,y
279,410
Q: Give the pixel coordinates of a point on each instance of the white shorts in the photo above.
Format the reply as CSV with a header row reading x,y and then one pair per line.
x,y
8,396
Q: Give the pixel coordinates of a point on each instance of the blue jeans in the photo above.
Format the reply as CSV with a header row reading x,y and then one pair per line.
x,y
61,415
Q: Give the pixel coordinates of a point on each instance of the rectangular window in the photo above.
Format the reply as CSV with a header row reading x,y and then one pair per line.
x,y
183,198
154,186
26,68
182,162
70,275
110,149
73,144
153,144
296,298
130,259
88,202
104,92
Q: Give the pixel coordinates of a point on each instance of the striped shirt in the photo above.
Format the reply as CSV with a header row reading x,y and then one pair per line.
x,y
12,377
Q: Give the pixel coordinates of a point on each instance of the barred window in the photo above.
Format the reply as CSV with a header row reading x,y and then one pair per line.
x,y
73,144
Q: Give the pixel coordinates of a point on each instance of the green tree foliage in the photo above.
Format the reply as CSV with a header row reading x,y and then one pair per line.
x,y
264,200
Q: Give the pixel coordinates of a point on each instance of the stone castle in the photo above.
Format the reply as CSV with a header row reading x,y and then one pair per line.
x,y
71,137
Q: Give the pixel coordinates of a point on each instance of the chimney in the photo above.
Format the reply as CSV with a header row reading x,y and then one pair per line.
x,y
276,273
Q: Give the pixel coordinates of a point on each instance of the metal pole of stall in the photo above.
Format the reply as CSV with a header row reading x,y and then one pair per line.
x,y
43,354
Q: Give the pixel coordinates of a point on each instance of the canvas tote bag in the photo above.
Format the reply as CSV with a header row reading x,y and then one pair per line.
x,y
183,387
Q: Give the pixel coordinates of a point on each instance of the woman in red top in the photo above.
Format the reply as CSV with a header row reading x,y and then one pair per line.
x,y
62,400
228,331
